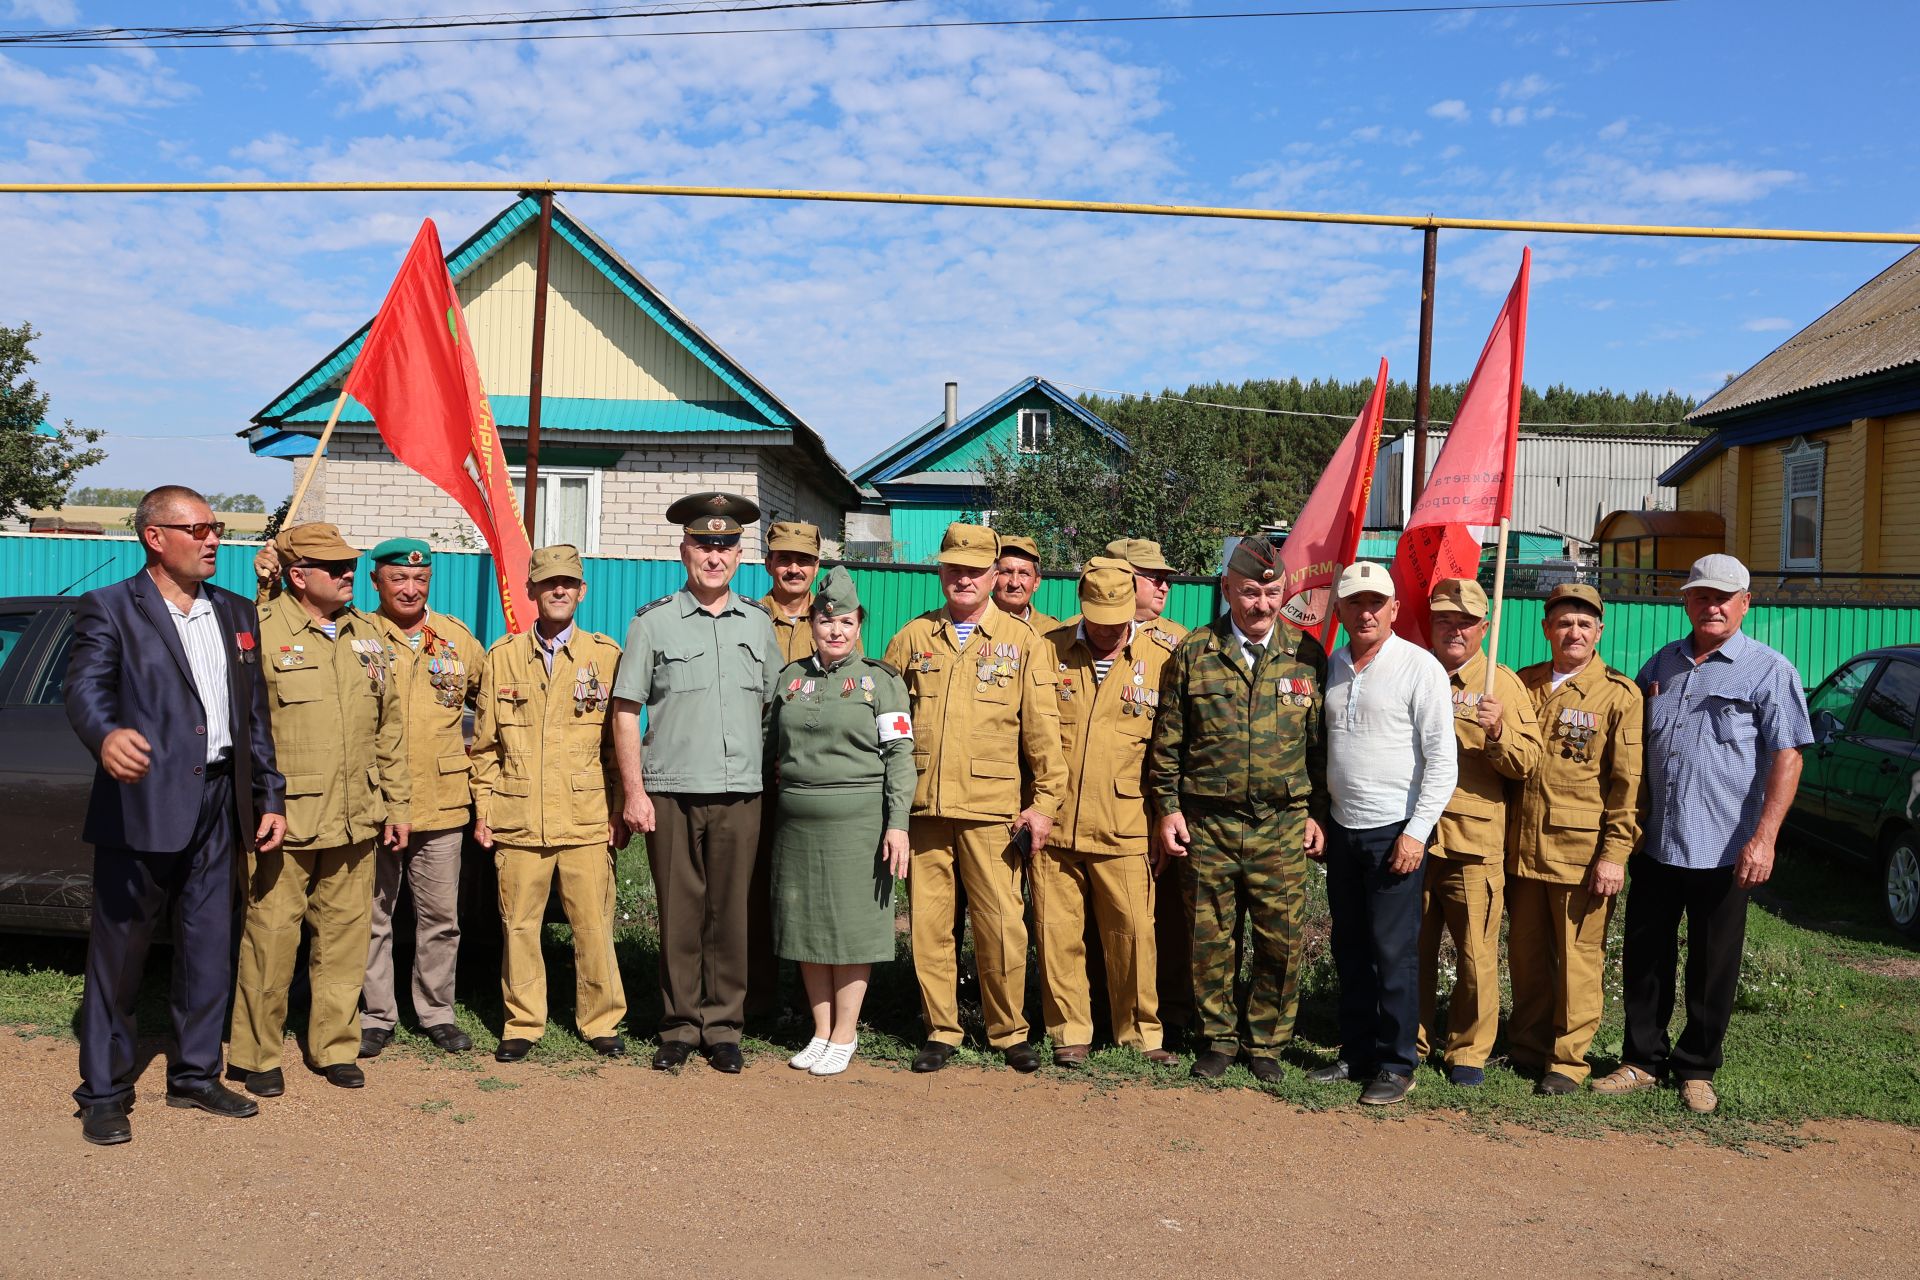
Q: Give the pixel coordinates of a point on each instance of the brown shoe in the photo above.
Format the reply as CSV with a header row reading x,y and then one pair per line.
x,y
1626,1078
1698,1097
1162,1057
1071,1055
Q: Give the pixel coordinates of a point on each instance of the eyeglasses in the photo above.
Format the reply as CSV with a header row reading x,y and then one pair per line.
x,y
198,532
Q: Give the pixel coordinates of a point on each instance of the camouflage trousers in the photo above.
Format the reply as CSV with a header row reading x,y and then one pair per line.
x,y
1240,867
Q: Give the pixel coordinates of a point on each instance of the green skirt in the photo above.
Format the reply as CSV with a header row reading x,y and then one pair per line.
x,y
832,893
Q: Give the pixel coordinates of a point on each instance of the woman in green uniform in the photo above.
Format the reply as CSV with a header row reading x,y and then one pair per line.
x,y
842,743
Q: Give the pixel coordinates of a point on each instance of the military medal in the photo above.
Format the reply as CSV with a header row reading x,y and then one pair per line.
x,y
846,690
866,687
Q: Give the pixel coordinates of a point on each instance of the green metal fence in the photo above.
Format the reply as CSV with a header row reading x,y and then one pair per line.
x,y
1817,638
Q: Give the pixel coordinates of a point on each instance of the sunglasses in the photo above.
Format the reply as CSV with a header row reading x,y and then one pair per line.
x,y
198,532
332,568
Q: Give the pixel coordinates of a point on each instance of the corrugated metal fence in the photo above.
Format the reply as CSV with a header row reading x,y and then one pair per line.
x,y
1816,637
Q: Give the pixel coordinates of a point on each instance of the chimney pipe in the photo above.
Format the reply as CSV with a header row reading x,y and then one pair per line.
x,y
953,403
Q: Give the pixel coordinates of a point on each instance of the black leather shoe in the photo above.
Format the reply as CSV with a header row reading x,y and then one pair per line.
x,y
608,1046
1332,1073
261,1084
346,1075
1386,1088
671,1054
448,1037
1265,1070
214,1098
1021,1057
105,1124
1555,1085
512,1049
1210,1065
373,1040
725,1058
933,1055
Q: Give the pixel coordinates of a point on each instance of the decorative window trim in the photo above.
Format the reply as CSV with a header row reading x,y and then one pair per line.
x,y
1803,474
1033,430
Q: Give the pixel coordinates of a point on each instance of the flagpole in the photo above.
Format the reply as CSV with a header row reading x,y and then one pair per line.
x,y
1499,598
536,370
319,451
1516,387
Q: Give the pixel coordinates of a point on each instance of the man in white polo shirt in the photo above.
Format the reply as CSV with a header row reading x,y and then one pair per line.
x,y
1390,768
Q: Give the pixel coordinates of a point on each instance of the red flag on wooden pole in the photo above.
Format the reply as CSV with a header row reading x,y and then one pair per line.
x,y
1471,487
1325,537
417,375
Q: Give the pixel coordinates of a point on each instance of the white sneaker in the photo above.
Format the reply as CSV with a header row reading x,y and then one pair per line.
x,y
835,1059
809,1055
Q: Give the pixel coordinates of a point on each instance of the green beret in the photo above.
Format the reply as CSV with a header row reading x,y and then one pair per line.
x,y
406,551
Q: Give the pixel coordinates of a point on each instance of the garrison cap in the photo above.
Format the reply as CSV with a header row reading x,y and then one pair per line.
x,y
1459,595
1021,546
713,515
313,543
1362,577
1256,557
1576,593
1143,554
557,561
793,535
971,546
402,551
1106,591
835,595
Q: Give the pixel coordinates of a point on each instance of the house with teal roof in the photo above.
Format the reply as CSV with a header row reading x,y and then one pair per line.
x,y
638,408
932,477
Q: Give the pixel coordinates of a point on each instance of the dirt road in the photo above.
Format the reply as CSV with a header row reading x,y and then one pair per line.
x,y
536,1171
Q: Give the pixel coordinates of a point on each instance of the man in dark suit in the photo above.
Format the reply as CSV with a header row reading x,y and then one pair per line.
x,y
164,687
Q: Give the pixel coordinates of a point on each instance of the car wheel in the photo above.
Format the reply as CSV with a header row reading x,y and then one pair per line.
x,y
1900,878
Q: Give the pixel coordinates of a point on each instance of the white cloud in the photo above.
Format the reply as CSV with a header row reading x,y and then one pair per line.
x,y
1615,131
1526,88
47,12
1705,183
1450,109
1767,324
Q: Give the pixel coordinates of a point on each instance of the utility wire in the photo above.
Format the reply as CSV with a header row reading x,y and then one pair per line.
x,y
1334,417
80,41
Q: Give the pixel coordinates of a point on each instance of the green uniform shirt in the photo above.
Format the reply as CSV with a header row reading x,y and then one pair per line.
x,y
339,726
705,680
845,727
1230,738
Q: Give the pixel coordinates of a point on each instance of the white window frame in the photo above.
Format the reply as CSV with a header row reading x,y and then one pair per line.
x,y
1037,424
1803,474
518,477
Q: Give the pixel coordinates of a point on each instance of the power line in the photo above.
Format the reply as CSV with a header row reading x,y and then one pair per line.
x,y
1333,417
80,41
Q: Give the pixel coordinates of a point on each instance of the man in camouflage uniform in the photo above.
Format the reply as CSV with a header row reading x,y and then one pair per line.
x,y
1237,775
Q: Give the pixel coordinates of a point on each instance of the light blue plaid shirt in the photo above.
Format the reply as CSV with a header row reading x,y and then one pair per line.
x,y
1712,729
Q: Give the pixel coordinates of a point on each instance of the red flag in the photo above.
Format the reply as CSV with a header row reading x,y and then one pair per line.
x,y
417,375
1472,482
1326,535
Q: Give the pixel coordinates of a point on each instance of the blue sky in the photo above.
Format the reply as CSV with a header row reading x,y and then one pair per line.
x,y
168,321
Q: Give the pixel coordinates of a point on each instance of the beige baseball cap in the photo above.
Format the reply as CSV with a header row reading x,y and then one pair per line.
x,y
1106,591
1357,579
971,546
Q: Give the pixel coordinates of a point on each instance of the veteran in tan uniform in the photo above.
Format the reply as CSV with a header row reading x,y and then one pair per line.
x,y
1109,693
546,800
1172,927
340,737
982,688
1499,745
1578,818
793,562
1016,578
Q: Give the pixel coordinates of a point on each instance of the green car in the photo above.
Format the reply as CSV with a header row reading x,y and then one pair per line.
x,y
1860,790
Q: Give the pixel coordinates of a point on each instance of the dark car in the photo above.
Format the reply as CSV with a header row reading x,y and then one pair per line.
x,y
1860,790
46,873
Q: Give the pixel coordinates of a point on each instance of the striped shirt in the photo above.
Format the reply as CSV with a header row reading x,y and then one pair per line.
x,y
200,636
1712,730
964,630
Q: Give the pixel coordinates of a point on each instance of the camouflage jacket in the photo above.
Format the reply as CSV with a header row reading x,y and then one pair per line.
x,y
1229,738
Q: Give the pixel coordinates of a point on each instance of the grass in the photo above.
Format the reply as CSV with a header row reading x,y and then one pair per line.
x,y
1827,1024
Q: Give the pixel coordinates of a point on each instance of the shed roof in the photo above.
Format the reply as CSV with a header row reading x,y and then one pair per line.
x,y
1620,526
1873,329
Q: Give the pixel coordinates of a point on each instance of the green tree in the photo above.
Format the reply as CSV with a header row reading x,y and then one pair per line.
x,y
35,469
1173,484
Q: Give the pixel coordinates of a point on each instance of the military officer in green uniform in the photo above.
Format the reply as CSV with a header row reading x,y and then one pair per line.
x,y
546,800
702,662
339,732
1237,775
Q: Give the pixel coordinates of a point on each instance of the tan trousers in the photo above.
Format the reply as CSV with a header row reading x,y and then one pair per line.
x,y
980,856
1557,953
1463,898
431,864
331,890
586,894
1120,888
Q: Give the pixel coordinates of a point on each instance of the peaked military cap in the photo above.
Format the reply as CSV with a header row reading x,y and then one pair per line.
x,y
1459,595
1576,593
795,536
1143,554
713,515
313,543
971,546
557,561
1021,546
1106,591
